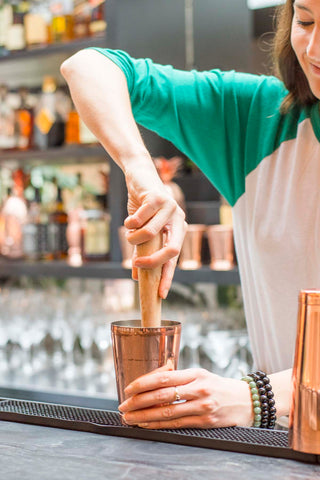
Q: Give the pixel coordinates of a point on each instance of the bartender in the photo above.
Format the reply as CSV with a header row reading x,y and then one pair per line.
x,y
257,139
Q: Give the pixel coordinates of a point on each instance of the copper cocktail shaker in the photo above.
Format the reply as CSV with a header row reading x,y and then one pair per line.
x,y
139,350
304,434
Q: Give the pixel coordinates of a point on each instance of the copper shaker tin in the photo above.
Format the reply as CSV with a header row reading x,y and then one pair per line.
x,y
221,245
304,423
139,350
190,256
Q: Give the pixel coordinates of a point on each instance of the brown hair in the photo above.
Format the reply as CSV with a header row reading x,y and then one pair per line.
x,y
286,64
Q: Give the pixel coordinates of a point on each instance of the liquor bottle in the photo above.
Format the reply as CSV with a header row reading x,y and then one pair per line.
x,y
24,122
98,23
14,214
6,20
36,23
7,123
225,212
58,221
75,216
73,127
95,233
15,39
31,238
49,125
81,17
62,20
2,224
77,131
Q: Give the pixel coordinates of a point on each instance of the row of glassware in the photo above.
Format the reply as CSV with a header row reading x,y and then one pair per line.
x,y
51,336
220,242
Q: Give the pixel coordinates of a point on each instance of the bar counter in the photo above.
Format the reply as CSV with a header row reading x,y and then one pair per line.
x,y
41,453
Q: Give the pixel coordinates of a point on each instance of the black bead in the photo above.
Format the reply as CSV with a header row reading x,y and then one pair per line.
x,y
264,407
266,380
268,387
272,417
271,402
254,376
264,423
264,415
264,399
272,410
259,383
260,373
262,391
270,427
270,394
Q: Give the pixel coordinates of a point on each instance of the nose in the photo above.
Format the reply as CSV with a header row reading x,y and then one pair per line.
x,y
313,47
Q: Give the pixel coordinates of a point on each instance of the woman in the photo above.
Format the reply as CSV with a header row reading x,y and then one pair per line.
x,y
257,139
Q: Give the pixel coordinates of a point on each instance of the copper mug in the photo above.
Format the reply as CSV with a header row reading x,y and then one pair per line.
x,y
221,245
139,350
190,256
304,422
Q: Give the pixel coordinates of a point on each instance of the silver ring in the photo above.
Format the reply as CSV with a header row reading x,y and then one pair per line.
x,y
178,398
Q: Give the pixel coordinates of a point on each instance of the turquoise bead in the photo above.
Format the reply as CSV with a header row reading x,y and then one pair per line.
x,y
256,403
247,378
257,410
255,397
257,424
252,385
254,390
257,418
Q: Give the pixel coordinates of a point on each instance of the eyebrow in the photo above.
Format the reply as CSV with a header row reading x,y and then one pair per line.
x,y
302,7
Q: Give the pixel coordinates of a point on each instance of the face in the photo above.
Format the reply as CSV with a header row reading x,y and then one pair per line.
x,y
305,40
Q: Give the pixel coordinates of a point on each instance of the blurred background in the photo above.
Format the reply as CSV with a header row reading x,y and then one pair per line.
x,y
64,259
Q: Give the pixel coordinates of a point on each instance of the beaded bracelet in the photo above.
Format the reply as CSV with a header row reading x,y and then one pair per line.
x,y
268,409
256,403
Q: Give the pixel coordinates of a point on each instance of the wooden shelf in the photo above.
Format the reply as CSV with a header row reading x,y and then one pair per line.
x,y
55,48
112,270
59,155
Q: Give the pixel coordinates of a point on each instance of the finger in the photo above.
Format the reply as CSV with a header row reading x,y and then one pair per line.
x,y
134,273
157,397
153,225
149,209
157,259
157,380
183,422
162,413
168,270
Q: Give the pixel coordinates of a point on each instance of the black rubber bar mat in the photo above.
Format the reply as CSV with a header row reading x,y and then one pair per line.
x,y
272,443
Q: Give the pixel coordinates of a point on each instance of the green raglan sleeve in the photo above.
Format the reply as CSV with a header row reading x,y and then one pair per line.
x,y
204,114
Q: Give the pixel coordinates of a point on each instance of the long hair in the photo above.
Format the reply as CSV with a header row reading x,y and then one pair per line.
x,y
286,65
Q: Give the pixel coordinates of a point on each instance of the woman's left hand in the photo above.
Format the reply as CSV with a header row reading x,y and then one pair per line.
x,y
206,400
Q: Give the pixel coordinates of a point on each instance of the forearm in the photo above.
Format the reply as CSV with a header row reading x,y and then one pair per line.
x,y
281,386
99,90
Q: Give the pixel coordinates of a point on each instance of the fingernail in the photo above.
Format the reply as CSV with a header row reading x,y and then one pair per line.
x,y
122,408
143,425
127,390
165,293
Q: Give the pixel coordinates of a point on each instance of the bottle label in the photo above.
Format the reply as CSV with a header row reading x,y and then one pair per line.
x,y
96,238
57,238
30,239
44,121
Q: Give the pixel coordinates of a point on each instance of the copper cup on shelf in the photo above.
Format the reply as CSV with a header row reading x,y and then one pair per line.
x,y
126,247
139,350
221,246
304,421
190,255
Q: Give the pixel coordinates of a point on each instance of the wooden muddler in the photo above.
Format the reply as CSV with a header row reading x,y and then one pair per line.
x,y
149,280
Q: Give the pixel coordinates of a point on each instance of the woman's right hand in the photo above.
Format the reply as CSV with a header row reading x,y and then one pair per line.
x,y
152,210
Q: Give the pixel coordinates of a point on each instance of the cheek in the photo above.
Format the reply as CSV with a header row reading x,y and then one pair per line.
x,y
298,41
